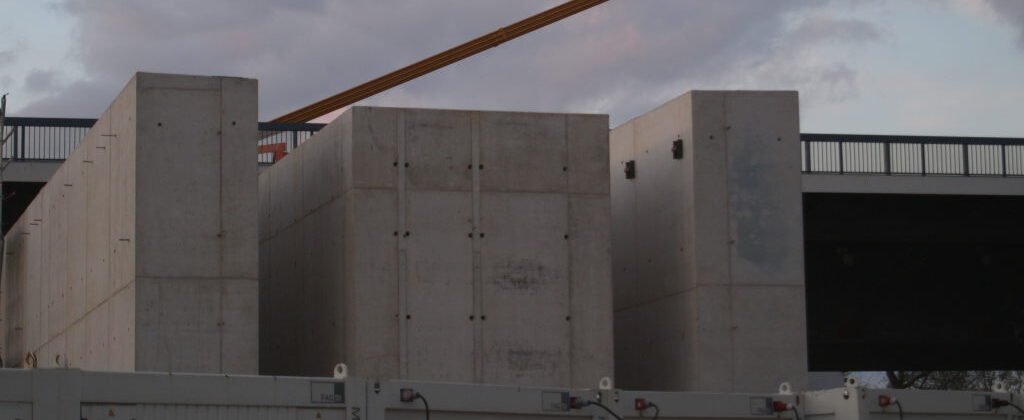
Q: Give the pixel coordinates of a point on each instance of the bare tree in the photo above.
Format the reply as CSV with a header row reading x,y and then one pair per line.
x,y
962,380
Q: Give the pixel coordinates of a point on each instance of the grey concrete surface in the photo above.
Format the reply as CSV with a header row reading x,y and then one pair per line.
x,y
140,252
31,171
708,249
462,246
912,184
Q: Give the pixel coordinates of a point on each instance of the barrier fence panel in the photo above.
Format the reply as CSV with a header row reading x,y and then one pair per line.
x,y
911,155
56,138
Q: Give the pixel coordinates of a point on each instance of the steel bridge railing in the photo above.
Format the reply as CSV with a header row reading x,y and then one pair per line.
x,y
912,155
56,138
53,139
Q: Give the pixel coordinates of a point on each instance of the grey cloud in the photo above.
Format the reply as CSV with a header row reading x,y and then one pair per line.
x,y
1011,11
7,57
40,80
623,57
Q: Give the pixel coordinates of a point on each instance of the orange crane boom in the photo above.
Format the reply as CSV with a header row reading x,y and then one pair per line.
x,y
438,61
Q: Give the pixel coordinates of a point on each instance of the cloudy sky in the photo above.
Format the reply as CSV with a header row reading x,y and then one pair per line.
x,y
947,67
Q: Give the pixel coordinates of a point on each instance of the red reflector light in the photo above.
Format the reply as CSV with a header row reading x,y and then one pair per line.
x,y
884,400
640,404
779,406
407,395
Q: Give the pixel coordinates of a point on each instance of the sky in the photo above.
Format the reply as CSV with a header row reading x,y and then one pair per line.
x,y
927,67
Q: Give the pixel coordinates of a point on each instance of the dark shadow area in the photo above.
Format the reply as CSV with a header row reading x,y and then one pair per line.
x,y
914,282
17,196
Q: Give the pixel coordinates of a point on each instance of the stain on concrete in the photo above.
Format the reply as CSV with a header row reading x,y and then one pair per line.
x,y
525,276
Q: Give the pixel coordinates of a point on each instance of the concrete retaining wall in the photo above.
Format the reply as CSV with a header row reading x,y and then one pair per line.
x,y
708,249
440,245
140,253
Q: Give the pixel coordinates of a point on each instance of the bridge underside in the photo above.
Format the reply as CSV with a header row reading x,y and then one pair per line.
x,y
914,282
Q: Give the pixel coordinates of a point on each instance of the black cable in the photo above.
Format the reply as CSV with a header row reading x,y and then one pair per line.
x,y
796,413
426,405
1015,406
657,410
605,409
900,408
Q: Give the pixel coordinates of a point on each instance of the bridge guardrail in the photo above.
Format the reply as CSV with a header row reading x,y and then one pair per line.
x,y
912,155
56,138
48,139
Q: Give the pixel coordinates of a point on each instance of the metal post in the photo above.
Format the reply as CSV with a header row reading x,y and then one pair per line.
x,y
967,162
840,156
924,171
22,137
888,158
295,139
1002,152
807,156
14,143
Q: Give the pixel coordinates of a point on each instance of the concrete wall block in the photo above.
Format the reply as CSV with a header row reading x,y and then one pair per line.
x,y
53,353
764,355
659,227
662,330
710,218
371,286
374,147
280,339
321,172
122,329
523,152
525,279
263,212
98,252
400,239
439,268
439,149
73,284
238,236
765,209
285,182
588,169
239,326
57,262
591,289
709,226
623,212
712,334
77,242
312,290
177,324
170,240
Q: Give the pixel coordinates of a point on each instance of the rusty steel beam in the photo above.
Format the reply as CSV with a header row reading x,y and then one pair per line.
x,y
438,61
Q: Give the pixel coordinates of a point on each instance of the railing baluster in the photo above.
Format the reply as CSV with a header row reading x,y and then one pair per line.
x,y
1002,152
924,171
807,157
840,157
888,158
967,161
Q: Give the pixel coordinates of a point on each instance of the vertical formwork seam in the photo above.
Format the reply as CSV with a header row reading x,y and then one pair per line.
x,y
730,244
476,245
220,228
403,278
568,249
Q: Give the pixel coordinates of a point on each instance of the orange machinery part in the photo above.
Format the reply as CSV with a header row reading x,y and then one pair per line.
x,y
438,61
